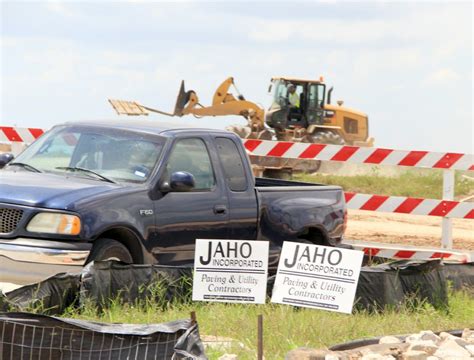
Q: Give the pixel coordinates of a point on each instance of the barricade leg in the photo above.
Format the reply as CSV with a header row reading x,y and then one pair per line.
x,y
448,194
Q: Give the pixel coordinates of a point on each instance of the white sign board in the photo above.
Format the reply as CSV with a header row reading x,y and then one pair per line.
x,y
230,271
318,277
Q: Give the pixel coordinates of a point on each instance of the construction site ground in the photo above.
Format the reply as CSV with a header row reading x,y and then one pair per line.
x,y
401,229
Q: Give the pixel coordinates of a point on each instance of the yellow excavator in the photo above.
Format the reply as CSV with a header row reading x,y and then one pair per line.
x,y
313,119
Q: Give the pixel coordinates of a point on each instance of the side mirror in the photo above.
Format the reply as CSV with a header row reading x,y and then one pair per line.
x,y
180,181
5,159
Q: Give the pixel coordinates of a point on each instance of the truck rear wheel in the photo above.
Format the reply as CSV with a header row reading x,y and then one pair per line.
x,y
327,137
108,249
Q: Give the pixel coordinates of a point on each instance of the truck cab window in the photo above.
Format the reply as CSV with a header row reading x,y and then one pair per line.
x,y
191,155
232,164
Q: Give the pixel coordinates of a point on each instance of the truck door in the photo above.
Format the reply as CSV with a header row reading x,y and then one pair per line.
x,y
183,217
243,207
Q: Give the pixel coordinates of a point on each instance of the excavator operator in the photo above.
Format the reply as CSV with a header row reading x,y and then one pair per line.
x,y
293,97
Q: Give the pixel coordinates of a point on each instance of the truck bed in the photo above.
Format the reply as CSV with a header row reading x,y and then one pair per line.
x,y
298,211
267,184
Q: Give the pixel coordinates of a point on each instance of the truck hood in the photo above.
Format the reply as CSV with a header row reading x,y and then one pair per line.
x,y
48,190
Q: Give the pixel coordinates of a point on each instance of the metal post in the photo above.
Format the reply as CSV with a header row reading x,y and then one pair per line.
x,y
260,337
193,318
448,194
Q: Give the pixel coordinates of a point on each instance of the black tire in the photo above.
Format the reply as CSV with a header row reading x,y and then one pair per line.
x,y
108,249
327,137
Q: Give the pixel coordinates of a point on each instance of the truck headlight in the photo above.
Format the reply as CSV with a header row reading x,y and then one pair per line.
x,y
53,223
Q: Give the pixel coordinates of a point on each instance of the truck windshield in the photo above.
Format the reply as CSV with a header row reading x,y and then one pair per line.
x,y
114,154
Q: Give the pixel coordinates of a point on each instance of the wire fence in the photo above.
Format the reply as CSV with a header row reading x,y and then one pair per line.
x,y
29,336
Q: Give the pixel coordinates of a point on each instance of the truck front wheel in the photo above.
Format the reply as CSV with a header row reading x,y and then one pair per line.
x,y
108,249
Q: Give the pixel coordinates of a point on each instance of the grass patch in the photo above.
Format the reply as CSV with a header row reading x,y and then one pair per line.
x,y
409,183
287,328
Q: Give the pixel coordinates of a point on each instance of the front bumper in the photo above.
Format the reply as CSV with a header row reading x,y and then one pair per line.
x,y
25,261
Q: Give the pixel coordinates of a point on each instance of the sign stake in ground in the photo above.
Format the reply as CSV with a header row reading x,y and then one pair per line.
x,y
317,276
260,337
230,271
193,318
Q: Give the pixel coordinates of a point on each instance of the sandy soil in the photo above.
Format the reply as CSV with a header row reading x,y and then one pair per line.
x,y
407,229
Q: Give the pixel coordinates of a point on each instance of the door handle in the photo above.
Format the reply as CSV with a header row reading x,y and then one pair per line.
x,y
220,209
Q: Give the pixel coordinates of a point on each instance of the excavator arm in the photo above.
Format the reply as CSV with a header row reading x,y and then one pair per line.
x,y
223,103
187,103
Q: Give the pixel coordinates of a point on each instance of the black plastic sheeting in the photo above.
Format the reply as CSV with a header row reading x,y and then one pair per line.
x,y
391,284
28,336
103,282
50,296
460,275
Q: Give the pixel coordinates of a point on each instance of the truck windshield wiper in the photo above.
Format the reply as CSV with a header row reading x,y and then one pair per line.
x,y
72,168
25,166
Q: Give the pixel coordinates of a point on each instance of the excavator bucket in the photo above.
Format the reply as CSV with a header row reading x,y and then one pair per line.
x,y
181,100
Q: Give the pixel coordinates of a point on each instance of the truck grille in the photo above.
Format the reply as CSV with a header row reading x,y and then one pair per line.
x,y
9,219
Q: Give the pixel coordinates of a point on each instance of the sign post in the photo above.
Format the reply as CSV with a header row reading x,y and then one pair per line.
x,y
317,276
230,271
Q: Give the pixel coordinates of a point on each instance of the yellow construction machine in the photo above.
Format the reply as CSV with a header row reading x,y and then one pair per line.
x,y
313,119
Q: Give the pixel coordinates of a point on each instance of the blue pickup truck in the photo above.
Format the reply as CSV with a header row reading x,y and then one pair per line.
x,y
142,192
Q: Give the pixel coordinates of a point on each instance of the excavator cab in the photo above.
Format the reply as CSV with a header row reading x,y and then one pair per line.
x,y
282,116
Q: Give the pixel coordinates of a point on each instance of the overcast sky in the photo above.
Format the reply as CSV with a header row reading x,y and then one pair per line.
x,y
407,65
